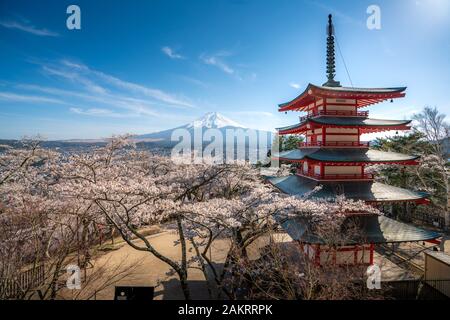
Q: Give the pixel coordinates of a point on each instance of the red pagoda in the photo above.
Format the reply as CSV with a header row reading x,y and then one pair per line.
x,y
334,157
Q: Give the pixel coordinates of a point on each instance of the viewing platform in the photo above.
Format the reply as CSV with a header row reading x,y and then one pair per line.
x,y
335,177
344,113
334,144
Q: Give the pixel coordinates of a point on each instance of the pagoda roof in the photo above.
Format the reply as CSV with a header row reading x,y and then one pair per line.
x,y
374,229
364,96
357,121
369,191
367,124
344,155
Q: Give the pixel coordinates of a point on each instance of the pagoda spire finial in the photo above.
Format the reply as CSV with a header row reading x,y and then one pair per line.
x,y
331,68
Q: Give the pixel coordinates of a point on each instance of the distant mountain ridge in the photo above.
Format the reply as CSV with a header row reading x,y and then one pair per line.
x,y
162,140
211,120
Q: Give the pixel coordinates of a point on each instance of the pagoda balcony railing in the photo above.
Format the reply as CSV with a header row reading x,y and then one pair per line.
x,y
360,144
345,113
336,177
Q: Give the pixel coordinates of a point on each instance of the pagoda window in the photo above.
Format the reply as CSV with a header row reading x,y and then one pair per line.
x,y
343,130
310,251
335,137
317,171
341,101
346,256
326,257
336,170
305,167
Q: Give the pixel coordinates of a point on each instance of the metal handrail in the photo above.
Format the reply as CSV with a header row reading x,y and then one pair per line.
x,y
365,176
335,113
334,144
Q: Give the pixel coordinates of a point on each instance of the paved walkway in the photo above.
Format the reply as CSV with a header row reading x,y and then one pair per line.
x,y
150,271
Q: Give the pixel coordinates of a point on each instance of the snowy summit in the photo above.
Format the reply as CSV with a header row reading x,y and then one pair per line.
x,y
213,120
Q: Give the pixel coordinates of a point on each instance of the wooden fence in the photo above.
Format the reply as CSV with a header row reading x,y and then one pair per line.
x,y
27,280
416,289
428,218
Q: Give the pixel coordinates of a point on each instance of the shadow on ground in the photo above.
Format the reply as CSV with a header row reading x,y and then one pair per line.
x,y
171,290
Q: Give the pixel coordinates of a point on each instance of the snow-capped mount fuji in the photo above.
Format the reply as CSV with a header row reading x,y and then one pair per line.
x,y
213,120
214,127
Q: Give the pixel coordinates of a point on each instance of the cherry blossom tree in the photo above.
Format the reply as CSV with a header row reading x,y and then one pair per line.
x,y
79,194
41,230
432,124
283,272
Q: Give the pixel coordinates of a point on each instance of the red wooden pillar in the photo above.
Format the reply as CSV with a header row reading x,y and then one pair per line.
x,y
322,169
372,247
324,136
301,247
317,255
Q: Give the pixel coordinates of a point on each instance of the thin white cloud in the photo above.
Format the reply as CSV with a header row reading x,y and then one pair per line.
x,y
135,107
13,97
294,85
75,77
194,81
237,70
99,112
74,65
255,113
138,106
150,92
26,27
90,78
171,53
217,61
93,93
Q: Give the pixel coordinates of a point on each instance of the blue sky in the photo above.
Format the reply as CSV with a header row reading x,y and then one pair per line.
x,y
144,66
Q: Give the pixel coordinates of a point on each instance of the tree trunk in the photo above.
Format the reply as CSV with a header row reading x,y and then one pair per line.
x,y
447,213
203,267
184,285
183,271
